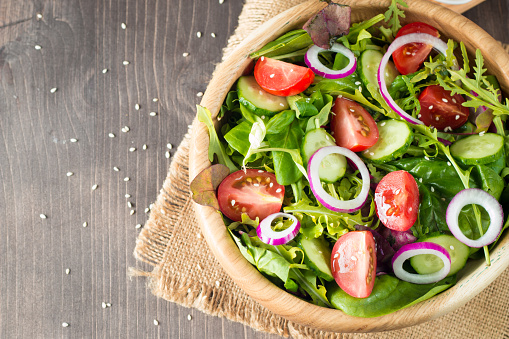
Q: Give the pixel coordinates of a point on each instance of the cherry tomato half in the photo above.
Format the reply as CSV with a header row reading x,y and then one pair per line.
x,y
282,78
254,192
410,57
441,110
397,200
354,128
353,263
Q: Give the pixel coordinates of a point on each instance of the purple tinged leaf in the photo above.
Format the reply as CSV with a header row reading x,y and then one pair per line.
x,y
331,22
205,184
397,238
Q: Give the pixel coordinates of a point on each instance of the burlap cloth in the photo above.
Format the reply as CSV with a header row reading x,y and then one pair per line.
x,y
185,272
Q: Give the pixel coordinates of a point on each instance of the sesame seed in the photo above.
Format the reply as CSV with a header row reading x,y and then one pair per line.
x,y
271,76
426,157
156,322
43,216
123,25
217,283
189,317
419,115
185,54
278,190
116,169
137,226
85,224
70,174
132,212
430,107
445,100
352,110
457,116
125,62
199,94
437,118
198,34
263,117
144,147
73,140
151,206
357,83
103,305
94,187
432,189
37,47
383,123
53,90
167,155
65,325
482,133
169,146
213,35
137,107
105,70
152,114
453,100
451,247
155,100
420,180
108,305
443,199
126,179
360,89
127,195
147,210
129,204
67,271
39,16
132,149
126,129
262,58
111,135
233,202
221,2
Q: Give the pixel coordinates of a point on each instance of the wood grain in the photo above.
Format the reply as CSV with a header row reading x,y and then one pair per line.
x,y
78,40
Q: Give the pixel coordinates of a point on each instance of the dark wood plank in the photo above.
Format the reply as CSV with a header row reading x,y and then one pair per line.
x,y
78,40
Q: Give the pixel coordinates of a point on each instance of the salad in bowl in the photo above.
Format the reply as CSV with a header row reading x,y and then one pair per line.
x,y
360,164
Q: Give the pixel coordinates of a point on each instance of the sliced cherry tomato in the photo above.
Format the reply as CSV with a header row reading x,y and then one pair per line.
x,y
441,110
410,57
254,192
353,127
282,78
353,263
397,200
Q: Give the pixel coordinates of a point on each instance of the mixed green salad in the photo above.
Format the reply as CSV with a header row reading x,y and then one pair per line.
x,y
356,167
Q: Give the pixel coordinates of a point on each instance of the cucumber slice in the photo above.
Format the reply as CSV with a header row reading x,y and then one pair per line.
x,y
429,263
257,100
333,166
317,256
478,149
394,139
368,66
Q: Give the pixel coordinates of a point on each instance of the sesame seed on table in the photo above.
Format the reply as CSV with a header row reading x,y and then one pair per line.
x,y
87,87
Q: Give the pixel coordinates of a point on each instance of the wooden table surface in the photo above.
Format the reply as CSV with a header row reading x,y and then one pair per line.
x,y
77,91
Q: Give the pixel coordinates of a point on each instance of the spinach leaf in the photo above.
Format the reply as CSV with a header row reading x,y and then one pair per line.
x,y
279,122
285,169
302,106
431,212
238,137
487,179
290,42
333,86
389,295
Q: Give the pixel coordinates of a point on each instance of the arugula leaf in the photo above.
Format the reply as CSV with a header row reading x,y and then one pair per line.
x,y
393,15
215,146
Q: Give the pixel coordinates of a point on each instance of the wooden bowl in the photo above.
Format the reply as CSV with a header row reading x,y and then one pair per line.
x,y
473,279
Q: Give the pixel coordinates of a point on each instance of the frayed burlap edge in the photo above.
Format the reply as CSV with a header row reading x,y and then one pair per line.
x,y
159,244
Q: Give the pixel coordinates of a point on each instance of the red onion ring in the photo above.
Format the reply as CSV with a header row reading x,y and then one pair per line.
x,y
479,197
416,248
424,38
325,198
271,237
311,59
